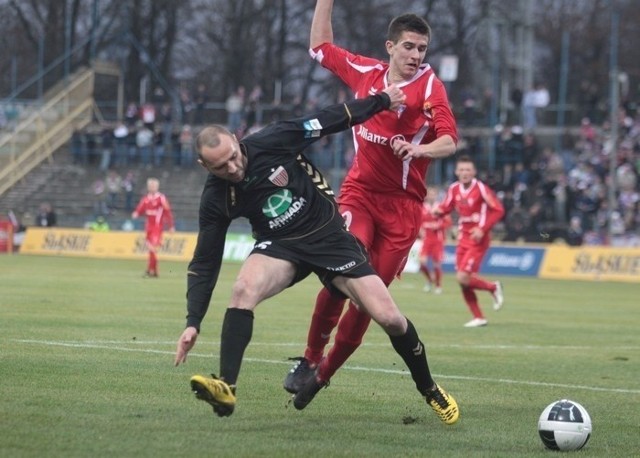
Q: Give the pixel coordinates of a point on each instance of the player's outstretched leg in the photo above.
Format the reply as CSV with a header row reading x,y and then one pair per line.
x,y
498,296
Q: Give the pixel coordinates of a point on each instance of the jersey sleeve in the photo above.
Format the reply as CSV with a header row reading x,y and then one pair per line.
x,y
204,268
440,109
141,207
345,65
167,215
296,134
448,204
495,209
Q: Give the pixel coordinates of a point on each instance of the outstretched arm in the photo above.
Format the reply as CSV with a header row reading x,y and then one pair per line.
x,y
342,116
321,29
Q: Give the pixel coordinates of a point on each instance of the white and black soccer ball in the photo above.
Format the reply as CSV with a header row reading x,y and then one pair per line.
x,y
564,425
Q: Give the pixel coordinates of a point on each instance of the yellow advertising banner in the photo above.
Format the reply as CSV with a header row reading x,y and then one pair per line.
x,y
591,263
177,246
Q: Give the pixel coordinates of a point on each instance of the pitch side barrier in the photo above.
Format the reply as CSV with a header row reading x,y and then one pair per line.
x,y
551,261
543,261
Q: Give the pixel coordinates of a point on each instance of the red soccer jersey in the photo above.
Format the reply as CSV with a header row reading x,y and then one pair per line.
x,y
477,206
157,210
433,228
425,117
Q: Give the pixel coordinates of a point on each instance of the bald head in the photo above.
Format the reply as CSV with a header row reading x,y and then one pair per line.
x,y
219,152
210,136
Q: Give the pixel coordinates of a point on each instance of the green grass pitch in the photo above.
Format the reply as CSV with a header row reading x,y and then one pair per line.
x,y
86,369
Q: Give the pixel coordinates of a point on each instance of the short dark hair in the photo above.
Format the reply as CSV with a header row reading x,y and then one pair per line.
x,y
464,158
408,23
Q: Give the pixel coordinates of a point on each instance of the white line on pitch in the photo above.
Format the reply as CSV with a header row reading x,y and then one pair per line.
x,y
382,344
353,368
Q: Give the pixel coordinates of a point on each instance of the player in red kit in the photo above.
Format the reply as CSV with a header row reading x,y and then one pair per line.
x,y
381,197
157,210
478,211
433,233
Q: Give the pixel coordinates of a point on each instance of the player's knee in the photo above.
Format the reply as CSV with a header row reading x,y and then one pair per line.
x,y
391,320
244,293
463,278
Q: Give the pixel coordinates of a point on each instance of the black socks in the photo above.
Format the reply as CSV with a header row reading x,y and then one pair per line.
x,y
237,329
412,351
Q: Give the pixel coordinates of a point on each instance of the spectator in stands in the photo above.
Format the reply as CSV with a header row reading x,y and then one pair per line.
x,y
99,225
235,110
132,145
46,216
128,185
158,148
534,101
186,145
145,142
107,148
120,134
200,99
131,114
186,105
575,234
148,115
99,202
113,183
166,120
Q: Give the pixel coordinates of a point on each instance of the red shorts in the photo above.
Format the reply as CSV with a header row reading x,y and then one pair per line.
x,y
386,226
154,237
433,251
469,255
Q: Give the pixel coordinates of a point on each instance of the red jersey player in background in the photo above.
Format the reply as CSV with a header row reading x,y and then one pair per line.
x,y
155,206
381,197
433,232
478,211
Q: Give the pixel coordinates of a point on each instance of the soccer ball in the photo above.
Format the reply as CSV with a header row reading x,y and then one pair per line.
x,y
564,425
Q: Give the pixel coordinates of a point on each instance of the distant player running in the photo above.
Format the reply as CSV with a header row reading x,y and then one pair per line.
x,y
478,211
155,206
433,233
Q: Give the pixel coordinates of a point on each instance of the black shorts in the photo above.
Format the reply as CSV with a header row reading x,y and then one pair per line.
x,y
328,256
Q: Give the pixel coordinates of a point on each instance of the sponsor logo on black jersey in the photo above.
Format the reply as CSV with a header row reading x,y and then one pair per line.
x,y
277,203
282,207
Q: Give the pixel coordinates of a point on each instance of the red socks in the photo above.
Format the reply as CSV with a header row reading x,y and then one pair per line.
x,y
324,319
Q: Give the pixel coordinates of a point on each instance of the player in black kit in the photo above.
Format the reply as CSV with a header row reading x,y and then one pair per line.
x,y
298,230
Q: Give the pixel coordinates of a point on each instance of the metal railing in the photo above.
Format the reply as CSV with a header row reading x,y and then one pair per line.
x,y
40,133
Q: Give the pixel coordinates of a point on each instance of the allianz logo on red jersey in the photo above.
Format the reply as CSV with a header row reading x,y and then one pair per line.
x,y
363,132
369,136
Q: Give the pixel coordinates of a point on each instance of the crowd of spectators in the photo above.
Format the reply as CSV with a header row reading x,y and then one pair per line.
x,y
565,193
549,193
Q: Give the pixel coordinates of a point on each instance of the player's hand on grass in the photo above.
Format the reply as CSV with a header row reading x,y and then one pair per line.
x,y
185,343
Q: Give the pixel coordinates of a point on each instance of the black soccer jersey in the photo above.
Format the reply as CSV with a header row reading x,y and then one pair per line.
x,y
282,195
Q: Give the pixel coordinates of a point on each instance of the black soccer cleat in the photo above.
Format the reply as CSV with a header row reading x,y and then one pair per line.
x,y
306,394
299,375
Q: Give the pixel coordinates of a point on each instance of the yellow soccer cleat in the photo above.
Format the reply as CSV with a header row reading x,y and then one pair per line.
x,y
215,392
444,405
